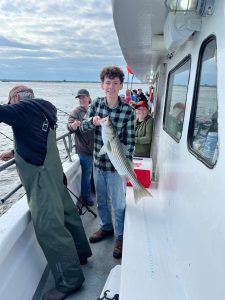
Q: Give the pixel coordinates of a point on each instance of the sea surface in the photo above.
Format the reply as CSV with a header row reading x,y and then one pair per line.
x,y
62,95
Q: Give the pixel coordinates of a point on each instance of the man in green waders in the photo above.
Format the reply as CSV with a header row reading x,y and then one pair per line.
x,y
57,225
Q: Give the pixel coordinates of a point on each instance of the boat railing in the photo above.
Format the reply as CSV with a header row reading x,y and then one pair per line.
x,y
69,144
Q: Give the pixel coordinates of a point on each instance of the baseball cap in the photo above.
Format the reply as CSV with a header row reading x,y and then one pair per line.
x,y
82,92
18,89
141,104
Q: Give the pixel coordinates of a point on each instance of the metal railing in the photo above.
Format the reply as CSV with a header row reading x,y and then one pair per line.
x,y
69,144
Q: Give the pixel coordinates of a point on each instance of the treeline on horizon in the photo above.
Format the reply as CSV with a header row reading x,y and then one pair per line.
x,y
27,80
62,81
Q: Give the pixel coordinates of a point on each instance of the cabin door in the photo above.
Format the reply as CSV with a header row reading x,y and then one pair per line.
x,y
159,91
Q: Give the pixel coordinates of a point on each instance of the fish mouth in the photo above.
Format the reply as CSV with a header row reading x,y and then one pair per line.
x,y
104,120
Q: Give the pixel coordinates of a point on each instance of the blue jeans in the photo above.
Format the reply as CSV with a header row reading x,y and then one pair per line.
x,y
110,192
86,168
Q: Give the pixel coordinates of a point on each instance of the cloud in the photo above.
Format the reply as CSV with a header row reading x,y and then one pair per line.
x,y
56,37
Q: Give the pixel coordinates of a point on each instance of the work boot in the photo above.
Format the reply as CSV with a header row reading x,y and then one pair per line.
x,y
89,201
54,295
100,235
83,260
117,252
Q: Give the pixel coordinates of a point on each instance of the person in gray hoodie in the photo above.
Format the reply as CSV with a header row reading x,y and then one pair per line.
x,y
84,142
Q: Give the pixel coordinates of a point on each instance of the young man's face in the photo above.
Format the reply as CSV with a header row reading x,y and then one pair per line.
x,y
111,87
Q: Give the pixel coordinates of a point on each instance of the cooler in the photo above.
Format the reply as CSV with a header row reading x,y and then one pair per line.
x,y
142,169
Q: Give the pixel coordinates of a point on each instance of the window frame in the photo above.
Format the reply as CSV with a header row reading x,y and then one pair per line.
x,y
195,101
179,65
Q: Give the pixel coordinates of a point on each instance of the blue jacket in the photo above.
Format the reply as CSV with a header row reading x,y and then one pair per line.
x,y
30,121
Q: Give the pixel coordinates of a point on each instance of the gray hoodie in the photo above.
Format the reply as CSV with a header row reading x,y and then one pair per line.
x,y
84,140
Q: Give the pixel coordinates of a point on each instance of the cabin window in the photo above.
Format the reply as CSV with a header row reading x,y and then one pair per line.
x,y
177,88
203,130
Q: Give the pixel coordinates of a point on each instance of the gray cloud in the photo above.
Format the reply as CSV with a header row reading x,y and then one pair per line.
x,y
4,42
61,38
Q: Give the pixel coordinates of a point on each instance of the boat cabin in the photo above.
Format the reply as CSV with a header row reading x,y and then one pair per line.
x,y
174,242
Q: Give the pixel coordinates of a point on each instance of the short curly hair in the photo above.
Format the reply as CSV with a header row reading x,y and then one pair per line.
x,y
112,72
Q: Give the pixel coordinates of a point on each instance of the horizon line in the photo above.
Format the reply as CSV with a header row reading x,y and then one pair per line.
x,y
63,81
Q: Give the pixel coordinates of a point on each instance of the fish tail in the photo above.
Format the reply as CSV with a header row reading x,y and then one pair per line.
x,y
140,192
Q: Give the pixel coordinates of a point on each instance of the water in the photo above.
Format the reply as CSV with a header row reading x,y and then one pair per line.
x,y
62,95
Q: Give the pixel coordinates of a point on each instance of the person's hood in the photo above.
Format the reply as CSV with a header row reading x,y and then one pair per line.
x,y
81,108
48,109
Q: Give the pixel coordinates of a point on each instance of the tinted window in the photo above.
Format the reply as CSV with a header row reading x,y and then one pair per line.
x,y
176,99
203,133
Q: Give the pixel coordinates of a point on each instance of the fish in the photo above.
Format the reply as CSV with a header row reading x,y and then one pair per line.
x,y
116,152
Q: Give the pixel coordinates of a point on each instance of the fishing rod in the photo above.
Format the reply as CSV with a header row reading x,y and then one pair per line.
x,y
83,204
6,136
82,138
66,113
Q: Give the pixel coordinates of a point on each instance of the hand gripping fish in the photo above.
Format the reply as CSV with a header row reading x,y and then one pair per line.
x,y
116,153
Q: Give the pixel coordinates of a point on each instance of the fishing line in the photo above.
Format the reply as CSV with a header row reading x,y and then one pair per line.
x,y
6,136
74,119
66,113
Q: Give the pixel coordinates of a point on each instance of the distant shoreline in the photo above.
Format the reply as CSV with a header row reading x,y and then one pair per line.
x,y
61,81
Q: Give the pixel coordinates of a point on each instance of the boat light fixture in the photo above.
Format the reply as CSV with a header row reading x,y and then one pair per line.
x,y
181,5
202,7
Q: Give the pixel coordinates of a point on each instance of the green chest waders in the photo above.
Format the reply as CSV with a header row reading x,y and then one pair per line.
x,y
57,225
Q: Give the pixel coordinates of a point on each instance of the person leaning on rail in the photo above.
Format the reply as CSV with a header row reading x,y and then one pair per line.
x,y
57,225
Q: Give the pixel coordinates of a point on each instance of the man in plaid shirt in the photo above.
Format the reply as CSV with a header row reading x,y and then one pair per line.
x,y
110,186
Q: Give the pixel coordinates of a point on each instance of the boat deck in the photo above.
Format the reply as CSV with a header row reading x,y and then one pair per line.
x,y
95,271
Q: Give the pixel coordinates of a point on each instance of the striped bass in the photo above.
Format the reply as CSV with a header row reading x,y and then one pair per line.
x,y
117,155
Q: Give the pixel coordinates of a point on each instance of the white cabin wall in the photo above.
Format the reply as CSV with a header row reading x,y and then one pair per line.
x,y
192,195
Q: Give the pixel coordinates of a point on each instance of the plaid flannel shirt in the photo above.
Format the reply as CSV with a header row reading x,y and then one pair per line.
x,y
122,117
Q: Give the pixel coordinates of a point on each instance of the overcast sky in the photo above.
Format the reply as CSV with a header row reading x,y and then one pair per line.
x,y
57,39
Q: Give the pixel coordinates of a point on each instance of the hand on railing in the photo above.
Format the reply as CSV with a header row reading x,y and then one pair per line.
x,y
6,155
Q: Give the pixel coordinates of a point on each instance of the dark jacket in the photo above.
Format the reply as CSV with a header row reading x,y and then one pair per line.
x,y
142,97
84,141
30,121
